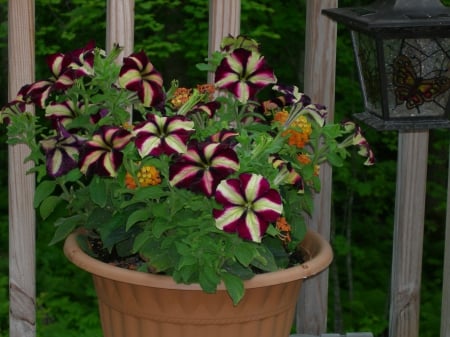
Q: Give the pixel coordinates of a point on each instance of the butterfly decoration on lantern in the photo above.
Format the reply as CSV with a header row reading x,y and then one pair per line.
x,y
412,89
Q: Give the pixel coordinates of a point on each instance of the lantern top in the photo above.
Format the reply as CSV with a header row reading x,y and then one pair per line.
x,y
393,14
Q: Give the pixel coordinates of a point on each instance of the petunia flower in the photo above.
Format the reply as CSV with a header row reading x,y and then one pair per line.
x,y
224,137
62,112
66,68
38,93
203,166
209,108
102,154
138,74
158,135
62,153
364,148
243,73
291,94
249,206
286,174
230,43
357,139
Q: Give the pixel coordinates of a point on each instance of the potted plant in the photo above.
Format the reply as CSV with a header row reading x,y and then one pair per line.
x,y
204,190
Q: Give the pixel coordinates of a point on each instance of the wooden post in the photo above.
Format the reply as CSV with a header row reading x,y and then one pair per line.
x,y
224,19
120,26
22,289
320,69
445,313
408,234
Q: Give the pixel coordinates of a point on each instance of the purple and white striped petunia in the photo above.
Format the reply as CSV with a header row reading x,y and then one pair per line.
x,y
163,135
224,137
102,154
292,94
359,140
138,74
68,67
203,166
287,174
243,73
62,112
249,206
209,108
38,93
61,153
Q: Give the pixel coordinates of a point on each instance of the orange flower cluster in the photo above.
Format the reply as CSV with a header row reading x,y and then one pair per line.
x,y
300,129
207,88
305,160
147,176
180,97
285,229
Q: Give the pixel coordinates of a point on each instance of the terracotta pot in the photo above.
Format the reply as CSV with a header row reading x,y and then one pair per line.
x,y
136,304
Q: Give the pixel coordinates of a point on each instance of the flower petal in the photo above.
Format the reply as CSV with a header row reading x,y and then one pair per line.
x,y
228,218
159,135
138,74
243,73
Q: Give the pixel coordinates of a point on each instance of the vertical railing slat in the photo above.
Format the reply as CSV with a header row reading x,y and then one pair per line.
x,y
120,26
21,186
408,233
445,313
320,65
224,19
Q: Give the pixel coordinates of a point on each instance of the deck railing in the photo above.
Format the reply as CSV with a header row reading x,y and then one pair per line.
x,y
320,49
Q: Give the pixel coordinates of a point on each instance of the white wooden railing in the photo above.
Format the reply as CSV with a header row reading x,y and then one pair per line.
x,y
320,49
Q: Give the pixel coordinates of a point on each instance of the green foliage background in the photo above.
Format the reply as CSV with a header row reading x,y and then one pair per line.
x,y
174,34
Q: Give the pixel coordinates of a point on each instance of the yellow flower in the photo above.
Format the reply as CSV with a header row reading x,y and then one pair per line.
x,y
180,97
299,130
147,176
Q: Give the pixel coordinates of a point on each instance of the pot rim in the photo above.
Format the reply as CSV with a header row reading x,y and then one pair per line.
x,y
315,245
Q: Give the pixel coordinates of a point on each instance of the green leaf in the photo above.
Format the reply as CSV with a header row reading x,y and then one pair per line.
x,y
208,278
98,191
140,240
48,205
43,190
65,226
73,175
187,273
138,216
335,159
149,192
98,216
245,253
264,260
235,287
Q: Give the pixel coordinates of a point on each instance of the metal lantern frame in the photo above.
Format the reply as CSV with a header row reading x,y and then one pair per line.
x,y
402,51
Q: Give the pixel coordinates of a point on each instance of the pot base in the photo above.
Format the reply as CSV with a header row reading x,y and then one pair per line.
x,y
153,312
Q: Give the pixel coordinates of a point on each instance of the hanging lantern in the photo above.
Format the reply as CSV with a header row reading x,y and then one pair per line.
x,y
402,51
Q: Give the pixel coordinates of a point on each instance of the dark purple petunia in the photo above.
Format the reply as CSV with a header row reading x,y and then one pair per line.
x,y
249,206
138,74
203,166
61,153
163,135
102,154
243,73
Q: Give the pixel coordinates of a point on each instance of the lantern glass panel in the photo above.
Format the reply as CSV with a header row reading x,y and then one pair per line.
x,y
417,77
369,72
